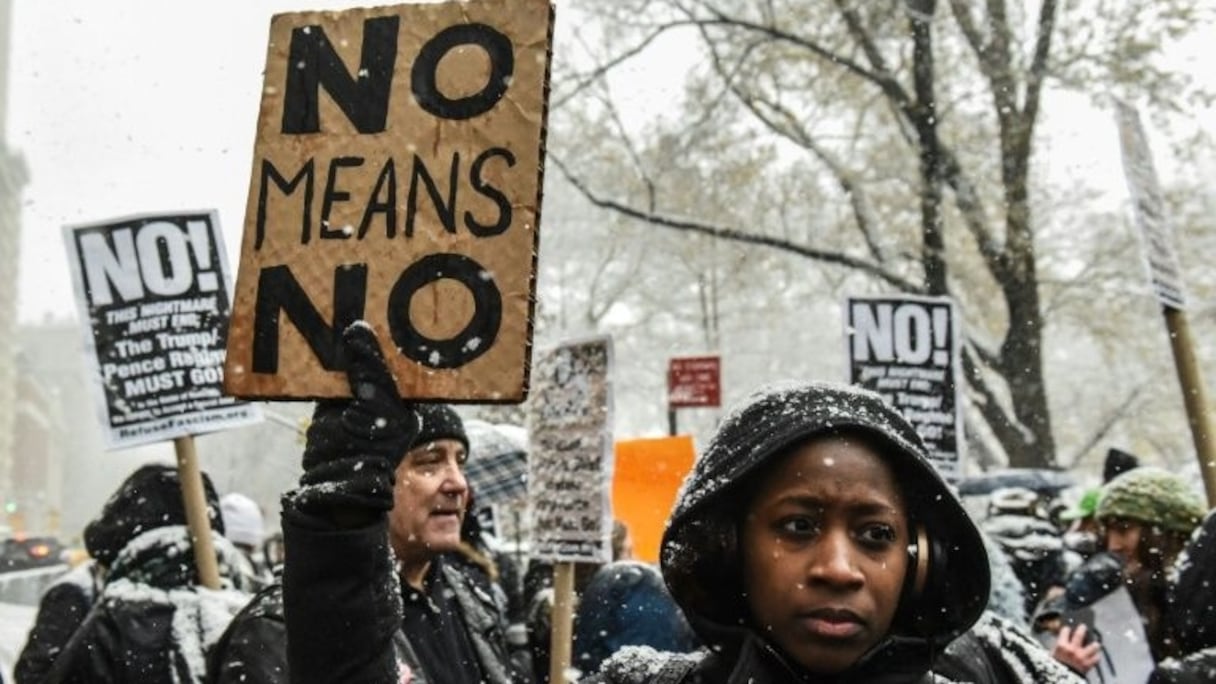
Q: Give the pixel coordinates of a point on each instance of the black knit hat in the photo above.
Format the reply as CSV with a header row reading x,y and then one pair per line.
x,y
149,498
438,421
1117,463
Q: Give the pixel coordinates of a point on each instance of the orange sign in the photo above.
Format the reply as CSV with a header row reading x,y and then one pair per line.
x,y
648,474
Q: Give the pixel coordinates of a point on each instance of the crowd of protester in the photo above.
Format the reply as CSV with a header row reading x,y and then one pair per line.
x,y
813,541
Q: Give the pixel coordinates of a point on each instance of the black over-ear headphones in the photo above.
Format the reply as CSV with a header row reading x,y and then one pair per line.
x,y
928,581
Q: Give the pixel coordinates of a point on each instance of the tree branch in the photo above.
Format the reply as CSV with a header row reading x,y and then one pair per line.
x,y
997,419
971,208
792,130
884,81
1119,413
735,235
601,70
1038,65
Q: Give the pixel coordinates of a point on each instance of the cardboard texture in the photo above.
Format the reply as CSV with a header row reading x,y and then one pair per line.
x,y
396,178
648,474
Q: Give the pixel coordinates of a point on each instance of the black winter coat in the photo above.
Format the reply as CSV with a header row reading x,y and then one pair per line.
x,y
1196,668
62,609
1191,611
130,636
253,649
343,605
700,561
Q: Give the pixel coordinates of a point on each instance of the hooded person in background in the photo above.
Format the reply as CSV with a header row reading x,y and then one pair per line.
x,y
152,622
814,542
626,604
367,593
1191,611
1018,523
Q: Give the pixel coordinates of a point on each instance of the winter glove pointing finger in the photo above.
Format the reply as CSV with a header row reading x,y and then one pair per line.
x,y
377,420
353,444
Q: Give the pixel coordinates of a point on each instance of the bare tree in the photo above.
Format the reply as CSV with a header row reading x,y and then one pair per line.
x,y
923,118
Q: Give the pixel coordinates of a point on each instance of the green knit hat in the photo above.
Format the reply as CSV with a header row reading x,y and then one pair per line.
x,y
1153,496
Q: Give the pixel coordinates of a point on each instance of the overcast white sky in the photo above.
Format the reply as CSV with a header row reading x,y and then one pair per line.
x,y
130,107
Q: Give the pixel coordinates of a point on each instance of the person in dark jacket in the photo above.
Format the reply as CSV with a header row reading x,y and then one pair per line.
x,y
814,542
253,649
152,622
626,604
1191,611
538,586
67,602
61,609
379,474
1017,522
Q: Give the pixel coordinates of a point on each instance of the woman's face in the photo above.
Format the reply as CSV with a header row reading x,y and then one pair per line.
x,y
824,550
1123,539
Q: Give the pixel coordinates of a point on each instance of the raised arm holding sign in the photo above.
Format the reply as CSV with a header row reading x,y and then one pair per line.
x,y
388,259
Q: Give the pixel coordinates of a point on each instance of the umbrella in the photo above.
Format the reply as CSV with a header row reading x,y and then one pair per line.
x,y
497,469
1039,480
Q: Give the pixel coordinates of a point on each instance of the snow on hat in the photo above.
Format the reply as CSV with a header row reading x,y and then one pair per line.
x,y
1154,496
438,421
243,522
1013,500
149,498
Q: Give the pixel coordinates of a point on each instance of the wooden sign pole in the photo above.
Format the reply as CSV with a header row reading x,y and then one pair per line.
x,y
196,512
561,622
1193,396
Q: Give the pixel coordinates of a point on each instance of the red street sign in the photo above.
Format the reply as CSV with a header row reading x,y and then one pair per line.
x,y
693,381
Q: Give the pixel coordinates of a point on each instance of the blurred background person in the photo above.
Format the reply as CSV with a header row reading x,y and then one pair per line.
x,y
152,622
245,527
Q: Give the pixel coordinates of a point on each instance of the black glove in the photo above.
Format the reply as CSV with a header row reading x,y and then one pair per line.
x,y
354,444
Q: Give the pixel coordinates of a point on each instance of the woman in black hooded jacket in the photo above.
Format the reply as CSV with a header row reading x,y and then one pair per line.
x,y
814,542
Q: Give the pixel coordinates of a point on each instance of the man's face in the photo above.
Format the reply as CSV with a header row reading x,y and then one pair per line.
x,y
429,499
824,549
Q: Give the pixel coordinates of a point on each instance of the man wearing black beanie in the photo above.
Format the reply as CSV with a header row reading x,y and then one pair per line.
x,y
380,474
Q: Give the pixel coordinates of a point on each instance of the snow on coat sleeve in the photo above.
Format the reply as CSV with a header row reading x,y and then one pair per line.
x,y
1020,655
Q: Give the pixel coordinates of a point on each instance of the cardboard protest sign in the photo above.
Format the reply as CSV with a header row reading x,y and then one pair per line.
x,y
396,179
570,465
1156,232
906,349
647,476
154,290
